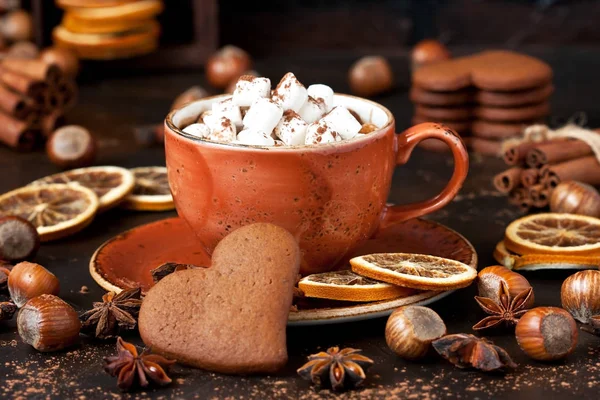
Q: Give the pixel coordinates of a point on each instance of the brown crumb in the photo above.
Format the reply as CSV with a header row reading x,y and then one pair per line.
x,y
84,289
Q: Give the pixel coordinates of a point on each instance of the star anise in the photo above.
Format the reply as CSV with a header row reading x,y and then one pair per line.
x,y
7,310
116,313
465,351
132,369
165,269
508,310
342,368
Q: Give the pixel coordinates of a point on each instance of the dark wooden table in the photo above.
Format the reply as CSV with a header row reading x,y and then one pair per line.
x,y
111,106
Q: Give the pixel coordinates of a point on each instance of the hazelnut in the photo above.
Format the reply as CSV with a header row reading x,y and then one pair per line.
x,y
71,146
410,330
575,198
368,128
490,279
370,76
17,25
48,323
428,51
226,65
547,333
192,94
580,295
28,280
65,59
19,239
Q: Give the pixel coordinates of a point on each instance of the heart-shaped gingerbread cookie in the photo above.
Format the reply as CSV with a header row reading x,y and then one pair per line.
x,y
231,317
496,70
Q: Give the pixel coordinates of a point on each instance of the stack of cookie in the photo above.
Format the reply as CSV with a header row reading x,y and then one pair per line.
x,y
109,29
487,97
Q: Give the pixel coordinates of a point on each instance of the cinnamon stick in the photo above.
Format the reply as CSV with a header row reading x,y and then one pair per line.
x,y
15,104
539,195
557,151
520,197
16,134
67,93
508,180
530,177
33,68
50,122
585,169
516,155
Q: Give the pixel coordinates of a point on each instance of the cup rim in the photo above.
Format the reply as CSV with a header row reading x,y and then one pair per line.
x,y
379,132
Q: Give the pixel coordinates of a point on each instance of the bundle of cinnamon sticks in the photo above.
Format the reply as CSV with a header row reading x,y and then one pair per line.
x,y
536,168
34,96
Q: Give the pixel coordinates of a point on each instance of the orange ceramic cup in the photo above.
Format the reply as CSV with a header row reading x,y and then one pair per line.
x,y
332,197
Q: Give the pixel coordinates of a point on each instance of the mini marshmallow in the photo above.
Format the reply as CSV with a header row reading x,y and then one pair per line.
x,y
322,92
249,88
291,129
222,131
290,93
199,130
263,115
312,110
342,122
205,114
255,137
228,109
320,133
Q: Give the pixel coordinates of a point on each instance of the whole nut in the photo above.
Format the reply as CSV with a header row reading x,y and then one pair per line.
x,y
575,198
428,51
410,330
17,25
28,280
191,94
547,333
580,295
226,65
370,76
65,59
23,49
48,323
490,279
71,146
19,239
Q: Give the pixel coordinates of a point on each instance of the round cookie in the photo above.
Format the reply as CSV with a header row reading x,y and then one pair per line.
x,y
496,70
484,146
427,97
462,127
498,130
444,113
524,113
231,317
516,98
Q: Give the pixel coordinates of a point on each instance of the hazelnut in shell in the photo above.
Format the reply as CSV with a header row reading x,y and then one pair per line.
x,y
580,295
19,239
371,76
547,333
23,49
28,280
191,94
410,330
65,59
226,65
71,146
490,279
574,197
17,25
48,323
428,51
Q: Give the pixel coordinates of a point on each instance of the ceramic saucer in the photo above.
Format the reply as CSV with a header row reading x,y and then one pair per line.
x,y
125,261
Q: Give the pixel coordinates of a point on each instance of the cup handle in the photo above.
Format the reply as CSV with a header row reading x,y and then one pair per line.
x,y
406,142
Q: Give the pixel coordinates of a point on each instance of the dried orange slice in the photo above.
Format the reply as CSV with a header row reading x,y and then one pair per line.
x,y
348,286
56,210
553,233
111,184
151,191
417,271
533,262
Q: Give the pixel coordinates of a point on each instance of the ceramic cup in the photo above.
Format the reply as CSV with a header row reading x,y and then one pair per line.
x,y
332,197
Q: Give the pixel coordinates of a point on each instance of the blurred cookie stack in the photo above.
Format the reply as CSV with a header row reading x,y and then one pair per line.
x,y
487,97
109,29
